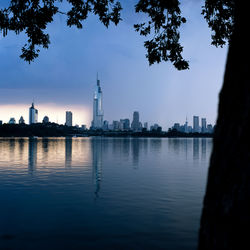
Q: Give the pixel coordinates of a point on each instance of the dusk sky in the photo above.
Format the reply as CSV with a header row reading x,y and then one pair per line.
x,y
64,76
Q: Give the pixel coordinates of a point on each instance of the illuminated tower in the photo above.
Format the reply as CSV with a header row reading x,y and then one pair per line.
x,y
97,107
33,116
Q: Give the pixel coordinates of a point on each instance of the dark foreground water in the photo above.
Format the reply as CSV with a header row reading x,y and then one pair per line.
x,y
101,193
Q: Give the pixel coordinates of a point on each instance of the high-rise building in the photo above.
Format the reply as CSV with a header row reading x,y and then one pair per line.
x,y
68,118
124,124
115,125
154,127
21,120
135,125
12,120
203,125
196,127
105,125
1,122
177,126
97,122
145,126
33,116
210,128
45,119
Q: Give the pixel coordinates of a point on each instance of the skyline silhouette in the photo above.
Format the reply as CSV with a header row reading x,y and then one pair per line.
x,y
128,82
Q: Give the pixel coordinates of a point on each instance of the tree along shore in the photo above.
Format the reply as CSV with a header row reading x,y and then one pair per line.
x,y
55,130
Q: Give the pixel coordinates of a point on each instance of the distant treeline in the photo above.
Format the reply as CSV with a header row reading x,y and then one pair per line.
x,y
38,129
55,130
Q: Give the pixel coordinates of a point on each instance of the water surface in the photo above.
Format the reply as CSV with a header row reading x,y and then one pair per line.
x,y
101,193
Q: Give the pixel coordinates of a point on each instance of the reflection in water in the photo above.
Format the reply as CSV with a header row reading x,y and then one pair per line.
x,y
203,148
68,152
21,146
145,146
155,207
155,144
45,149
196,145
135,151
175,145
126,147
96,146
12,144
32,155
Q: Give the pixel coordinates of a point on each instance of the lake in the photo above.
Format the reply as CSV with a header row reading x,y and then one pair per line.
x,y
102,193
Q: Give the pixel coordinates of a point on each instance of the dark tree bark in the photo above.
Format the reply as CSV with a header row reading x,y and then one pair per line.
x,y
225,221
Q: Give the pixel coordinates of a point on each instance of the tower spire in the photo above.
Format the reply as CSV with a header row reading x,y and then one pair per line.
x,y
97,80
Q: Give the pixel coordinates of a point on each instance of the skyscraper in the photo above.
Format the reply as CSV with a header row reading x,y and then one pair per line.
x,y
203,125
33,116
196,127
68,118
135,125
97,107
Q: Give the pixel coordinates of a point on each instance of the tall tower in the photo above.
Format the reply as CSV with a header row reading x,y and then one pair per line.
x,y
203,125
33,115
97,107
196,126
68,118
135,125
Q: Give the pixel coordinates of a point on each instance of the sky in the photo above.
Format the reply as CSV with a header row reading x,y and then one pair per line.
x,y
64,76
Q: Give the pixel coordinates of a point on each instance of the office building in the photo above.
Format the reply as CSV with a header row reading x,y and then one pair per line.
x,y
33,114
97,122
196,127
210,128
154,127
203,125
12,120
68,118
124,124
115,125
145,126
177,126
105,125
135,125
1,122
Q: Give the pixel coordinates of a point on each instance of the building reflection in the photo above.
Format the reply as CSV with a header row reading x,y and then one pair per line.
x,y
203,148
97,148
174,144
21,145
196,145
135,151
45,149
32,156
68,152
12,144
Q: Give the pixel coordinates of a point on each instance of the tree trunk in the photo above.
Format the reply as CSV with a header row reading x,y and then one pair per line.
x,y
225,221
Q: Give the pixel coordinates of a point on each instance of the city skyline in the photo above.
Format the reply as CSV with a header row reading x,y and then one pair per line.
x,y
124,124
128,82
